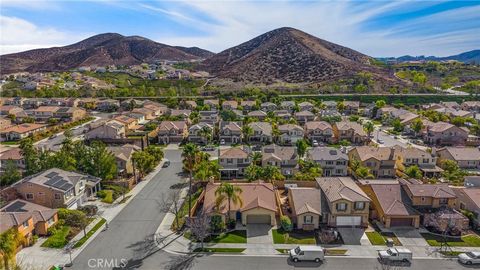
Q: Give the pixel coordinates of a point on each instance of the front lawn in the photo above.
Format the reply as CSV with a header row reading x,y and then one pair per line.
x,y
220,250
293,237
470,240
58,239
231,237
380,239
90,233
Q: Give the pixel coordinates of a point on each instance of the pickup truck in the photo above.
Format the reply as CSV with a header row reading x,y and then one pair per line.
x,y
395,254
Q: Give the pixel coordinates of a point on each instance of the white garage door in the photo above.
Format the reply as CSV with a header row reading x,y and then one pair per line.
x,y
256,219
349,221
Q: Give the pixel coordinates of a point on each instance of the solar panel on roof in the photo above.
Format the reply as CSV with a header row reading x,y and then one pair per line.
x,y
67,186
58,177
59,183
50,182
51,174
16,207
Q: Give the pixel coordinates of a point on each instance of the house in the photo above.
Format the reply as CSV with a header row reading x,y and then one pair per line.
x,y
190,104
283,114
230,132
346,203
466,157
304,116
306,207
57,188
290,134
472,106
350,131
157,108
172,132
123,157
130,104
406,117
384,112
110,130
390,205
330,104
13,154
5,122
283,157
380,160
212,103
260,115
43,113
450,104
469,199
42,217
33,103
262,132
233,162
209,117
180,114
288,105
107,105
229,105
351,107
200,133
412,156
22,222
248,105
70,113
10,110
319,131
334,162
268,106
258,204
429,196
441,133
127,121
305,106
149,114
18,132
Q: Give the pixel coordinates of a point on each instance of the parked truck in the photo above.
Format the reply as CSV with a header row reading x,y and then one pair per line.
x,y
307,253
396,254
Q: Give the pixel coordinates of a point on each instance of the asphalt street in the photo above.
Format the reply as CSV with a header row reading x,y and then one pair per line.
x,y
138,221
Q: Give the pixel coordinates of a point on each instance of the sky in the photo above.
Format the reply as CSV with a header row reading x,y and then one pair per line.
x,y
377,28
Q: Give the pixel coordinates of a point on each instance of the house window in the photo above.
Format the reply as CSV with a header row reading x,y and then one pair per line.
x,y
443,201
308,219
29,196
423,199
341,207
25,224
359,205
58,196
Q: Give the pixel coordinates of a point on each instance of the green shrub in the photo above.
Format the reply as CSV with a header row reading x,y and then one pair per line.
x,y
286,223
108,197
58,239
101,194
216,223
117,190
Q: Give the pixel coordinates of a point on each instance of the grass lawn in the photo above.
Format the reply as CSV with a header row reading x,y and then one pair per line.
x,y
282,250
231,237
184,210
10,142
90,233
108,196
294,237
58,239
470,240
450,253
380,239
220,250
335,252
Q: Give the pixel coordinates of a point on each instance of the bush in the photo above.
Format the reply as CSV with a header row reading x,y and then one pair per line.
x,y
89,210
286,223
216,223
101,194
108,197
231,223
71,217
117,190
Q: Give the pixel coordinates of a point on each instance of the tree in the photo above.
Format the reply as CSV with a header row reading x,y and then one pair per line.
x,y
155,152
309,170
452,172
380,103
286,223
171,204
10,175
271,173
397,125
414,172
206,170
189,155
302,146
247,132
30,154
199,227
74,218
144,162
369,128
253,172
417,126
363,173
103,162
256,158
9,243
341,106
206,132
231,194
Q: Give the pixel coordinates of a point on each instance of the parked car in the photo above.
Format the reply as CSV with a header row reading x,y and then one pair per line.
x,y
222,142
469,257
380,141
166,163
307,253
315,143
396,254
208,148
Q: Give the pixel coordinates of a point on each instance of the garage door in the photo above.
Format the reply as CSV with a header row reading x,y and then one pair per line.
x,y
256,219
396,222
349,221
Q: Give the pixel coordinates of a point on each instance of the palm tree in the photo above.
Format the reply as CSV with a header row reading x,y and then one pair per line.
x,y
368,127
363,173
247,132
207,170
189,155
256,158
230,193
206,132
9,243
272,173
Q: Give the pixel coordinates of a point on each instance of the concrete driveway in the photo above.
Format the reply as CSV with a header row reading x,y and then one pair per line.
x,y
409,237
259,234
351,236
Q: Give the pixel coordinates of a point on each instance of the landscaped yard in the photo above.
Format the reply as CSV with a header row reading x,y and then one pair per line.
x,y
293,237
184,209
58,239
379,239
220,250
90,233
231,237
470,240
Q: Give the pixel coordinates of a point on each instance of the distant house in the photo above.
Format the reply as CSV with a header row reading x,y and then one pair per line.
x,y
442,133
5,122
212,103
262,132
306,207
229,105
196,133
107,105
209,117
190,104
70,113
283,114
42,217
350,131
290,134
283,157
14,155
260,115
123,157
172,132
110,130
231,132
319,131
18,132
127,121
412,156
332,161
288,105
304,116
466,157
10,110
149,114
180,114
233,162
472,106
351,107
406,117
305,106
248,105
43,113
380,160
268,106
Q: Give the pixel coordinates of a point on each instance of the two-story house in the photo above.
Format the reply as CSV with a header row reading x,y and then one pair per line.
x,y
319,131
262,132
248,105
212,103
305,106
333,161
260,115
289,134
283,157
306,207
347,204
350,131
209,117
172,132
412,156
123,157
268,106
230,132
380,160
18,132
442,133
467,158
13,155
288,105
201,133
229,105
303,117
429,196
233,162
283,114
351,107
110,130
43,113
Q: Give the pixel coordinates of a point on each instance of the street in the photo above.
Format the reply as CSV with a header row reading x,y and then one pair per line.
x,y
136,222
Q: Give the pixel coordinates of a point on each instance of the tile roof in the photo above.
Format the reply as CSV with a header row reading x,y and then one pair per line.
x,y
322,125
10,220
23,128
287,127
169,125
57,179
279,152
264,127
233,152
326,153
430,190
347,125
463,153
14,153
336,188
38,212
393,200
306,200
379,153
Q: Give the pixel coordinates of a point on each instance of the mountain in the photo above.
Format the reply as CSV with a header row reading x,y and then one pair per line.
x,y
466,57
288,55
103,49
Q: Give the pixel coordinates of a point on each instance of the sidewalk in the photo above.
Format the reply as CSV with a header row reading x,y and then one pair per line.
x,y
37,257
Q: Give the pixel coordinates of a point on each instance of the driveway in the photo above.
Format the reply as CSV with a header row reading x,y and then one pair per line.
x,y
409,237
351,236
259,234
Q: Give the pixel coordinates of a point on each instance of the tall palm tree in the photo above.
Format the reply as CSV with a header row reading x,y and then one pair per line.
x,y
247,132
189,155
368,127
206,132
256,158
229,192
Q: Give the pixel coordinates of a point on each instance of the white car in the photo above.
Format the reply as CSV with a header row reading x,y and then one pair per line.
x,y
315,143
469,257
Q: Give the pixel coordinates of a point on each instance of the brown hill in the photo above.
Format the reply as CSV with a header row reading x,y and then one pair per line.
x,y
103,49
288,55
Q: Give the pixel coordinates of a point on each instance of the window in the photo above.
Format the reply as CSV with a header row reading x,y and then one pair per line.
x,y
25,224
308,219
341,207
359,205
443,201
58,196
29,196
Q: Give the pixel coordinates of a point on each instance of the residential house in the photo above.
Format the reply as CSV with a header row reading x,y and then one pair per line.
x,y
469,199
10,110
233,162
12,154
306,207
172,132
33,103
190,104
18,132
268,106
283,114
334,162
350,131
43,113
466,157
319,131
303,117
209,117
305,106
212,103
283,157
429,196
384,112
56,188
288,105
5,122
380,160
107,105
262,132
259,205
230,132
412,156
110,130
260,115
70,113
127,121
130,104
180,114
149,114
406,117
157,108
22,222
229,105
351,107
450,104
42,217
346,203
330,104
472,106
248,105
123,157
441,133
15,101
201,133
289,134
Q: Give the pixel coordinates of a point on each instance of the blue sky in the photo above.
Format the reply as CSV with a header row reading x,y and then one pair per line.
x,y
376,28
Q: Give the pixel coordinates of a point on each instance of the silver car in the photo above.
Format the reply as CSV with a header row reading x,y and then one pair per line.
x,y
469,257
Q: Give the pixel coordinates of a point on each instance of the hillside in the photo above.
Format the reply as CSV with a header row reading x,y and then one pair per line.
x,y
466,57
289,55
103,49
